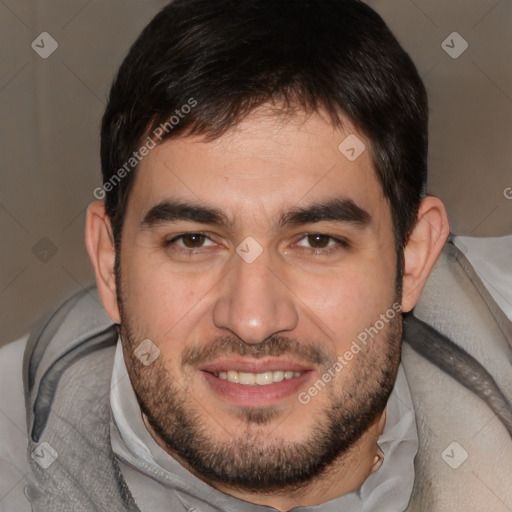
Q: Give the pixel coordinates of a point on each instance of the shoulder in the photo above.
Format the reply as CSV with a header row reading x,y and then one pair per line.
x,y
13,432
458,365
465,453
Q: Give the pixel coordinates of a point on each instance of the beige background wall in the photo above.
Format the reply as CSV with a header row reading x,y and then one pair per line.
x,y
51,110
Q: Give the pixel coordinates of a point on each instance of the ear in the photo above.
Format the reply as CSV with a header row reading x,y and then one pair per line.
x,y
423,248
100,246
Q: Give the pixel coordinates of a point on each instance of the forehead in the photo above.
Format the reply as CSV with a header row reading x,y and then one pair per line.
x,y
264,165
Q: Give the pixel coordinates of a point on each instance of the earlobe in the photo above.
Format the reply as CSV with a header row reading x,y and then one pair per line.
x,y
423,248
100,246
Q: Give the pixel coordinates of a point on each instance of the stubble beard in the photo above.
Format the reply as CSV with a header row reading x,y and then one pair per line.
x,y
254,460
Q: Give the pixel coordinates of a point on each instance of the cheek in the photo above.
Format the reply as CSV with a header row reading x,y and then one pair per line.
x,y
161,301
344,302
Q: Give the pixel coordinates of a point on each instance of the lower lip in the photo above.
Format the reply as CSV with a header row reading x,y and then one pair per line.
x,y
256,396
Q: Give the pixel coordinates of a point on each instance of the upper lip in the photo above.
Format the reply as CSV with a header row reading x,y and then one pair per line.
x,y
255,365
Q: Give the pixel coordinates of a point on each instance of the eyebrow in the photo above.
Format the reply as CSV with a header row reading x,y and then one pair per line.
x,y
337,210
172,211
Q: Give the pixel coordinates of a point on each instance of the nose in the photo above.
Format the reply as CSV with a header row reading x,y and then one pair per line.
x,y
254,302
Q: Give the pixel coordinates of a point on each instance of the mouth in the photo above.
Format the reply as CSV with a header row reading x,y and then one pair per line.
x,y
255,383
258,379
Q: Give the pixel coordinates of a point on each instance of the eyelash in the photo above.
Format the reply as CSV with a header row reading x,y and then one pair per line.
x,y
181,236
340,243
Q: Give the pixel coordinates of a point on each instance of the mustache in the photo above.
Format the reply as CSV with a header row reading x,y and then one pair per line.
x,y
275,346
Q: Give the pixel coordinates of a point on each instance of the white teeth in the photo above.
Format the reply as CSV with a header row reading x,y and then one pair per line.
x,y
278,376
260,379
247,378
233,376
264,378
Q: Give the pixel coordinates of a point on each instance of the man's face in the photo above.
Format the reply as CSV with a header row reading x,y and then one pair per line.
x,y
250,263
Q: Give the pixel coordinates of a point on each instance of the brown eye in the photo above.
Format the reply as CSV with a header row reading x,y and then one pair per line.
x,y
319,241
193,240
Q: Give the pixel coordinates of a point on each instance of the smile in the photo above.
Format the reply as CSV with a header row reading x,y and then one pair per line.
x,y
257,379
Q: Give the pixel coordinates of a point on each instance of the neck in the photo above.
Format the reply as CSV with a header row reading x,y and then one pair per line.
x,y
344,476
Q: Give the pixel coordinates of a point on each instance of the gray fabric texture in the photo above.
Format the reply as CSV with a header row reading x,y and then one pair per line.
x,y
82,475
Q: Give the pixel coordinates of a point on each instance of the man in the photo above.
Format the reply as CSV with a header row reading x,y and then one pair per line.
x,y
264,226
